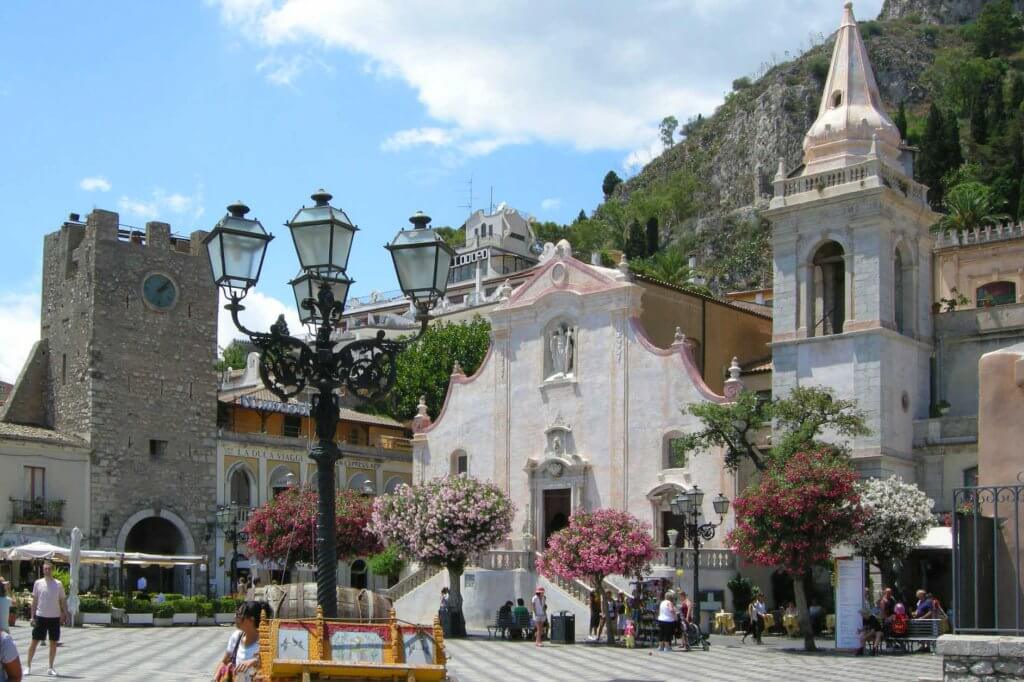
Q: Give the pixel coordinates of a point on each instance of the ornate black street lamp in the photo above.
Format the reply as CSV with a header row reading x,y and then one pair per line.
x,y
228,521
688,505
322,235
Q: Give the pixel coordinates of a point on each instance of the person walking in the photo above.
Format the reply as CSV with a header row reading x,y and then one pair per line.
x,y
49,610
685,618
595,615
611,616
5,607
539,606
10,663
242,655
667,618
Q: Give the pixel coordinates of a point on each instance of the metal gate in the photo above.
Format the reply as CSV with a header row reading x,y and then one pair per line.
x,y
987,588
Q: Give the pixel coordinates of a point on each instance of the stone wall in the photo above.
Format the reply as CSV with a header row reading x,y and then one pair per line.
x,y
971,658
123,373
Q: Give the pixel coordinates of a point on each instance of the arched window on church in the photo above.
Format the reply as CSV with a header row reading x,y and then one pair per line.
x,y
459,463
996,293
240,487
829,289
279,480
898,293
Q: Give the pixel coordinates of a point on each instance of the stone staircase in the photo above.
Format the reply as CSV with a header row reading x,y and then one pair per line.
x,y
411,582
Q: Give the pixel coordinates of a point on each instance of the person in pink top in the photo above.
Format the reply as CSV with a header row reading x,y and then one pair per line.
x,y
49,610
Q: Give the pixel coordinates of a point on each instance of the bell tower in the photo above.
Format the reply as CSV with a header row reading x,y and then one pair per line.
x,y
852,264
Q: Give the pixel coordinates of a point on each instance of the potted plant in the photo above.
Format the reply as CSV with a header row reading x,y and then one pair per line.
x,y
138,612
163,614
95,611
942,407
205,611
224,610
185,612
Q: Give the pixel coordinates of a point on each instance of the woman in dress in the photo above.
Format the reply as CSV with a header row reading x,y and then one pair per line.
x,y
243,651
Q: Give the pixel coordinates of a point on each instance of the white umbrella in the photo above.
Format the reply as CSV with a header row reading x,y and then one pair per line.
x,y
35,550
75,560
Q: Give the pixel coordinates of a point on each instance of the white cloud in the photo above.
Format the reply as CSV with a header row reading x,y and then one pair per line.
x,y
643,155
161,204
95,184
551,204
456,145
19,329
505,73
283,70
415,137
260,312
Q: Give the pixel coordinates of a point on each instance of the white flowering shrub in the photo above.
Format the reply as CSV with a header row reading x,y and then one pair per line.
x,y
897,517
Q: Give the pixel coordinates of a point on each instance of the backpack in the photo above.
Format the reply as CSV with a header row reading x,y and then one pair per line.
x,y
899,624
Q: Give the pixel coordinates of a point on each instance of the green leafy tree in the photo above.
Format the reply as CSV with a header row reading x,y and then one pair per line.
x,y
636,241
667,129
611,181
970,205
233,356
453,237
425,368
979,121
582,216
669,266
800,419
388,562
997,30
901,120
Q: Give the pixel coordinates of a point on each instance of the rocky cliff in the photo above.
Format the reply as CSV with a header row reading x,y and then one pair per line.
x,y
935,11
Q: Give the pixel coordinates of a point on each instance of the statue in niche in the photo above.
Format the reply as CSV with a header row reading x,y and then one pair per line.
x,y
556,445
561,347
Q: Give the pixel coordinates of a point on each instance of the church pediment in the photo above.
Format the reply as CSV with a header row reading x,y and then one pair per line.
x,y
560,271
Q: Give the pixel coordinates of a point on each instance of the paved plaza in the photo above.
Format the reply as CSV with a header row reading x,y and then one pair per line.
x,y
190,654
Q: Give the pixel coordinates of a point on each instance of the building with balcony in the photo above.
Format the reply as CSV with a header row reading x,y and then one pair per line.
x,y
263,448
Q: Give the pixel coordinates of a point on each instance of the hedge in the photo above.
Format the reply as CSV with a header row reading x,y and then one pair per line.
x,y
138,606
226,605
165,610
93,605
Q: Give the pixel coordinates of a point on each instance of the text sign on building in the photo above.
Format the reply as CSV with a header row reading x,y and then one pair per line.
x,y
849,601
471,257
261,452
358,464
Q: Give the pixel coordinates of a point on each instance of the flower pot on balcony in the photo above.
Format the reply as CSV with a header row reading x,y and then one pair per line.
x,y
139,618
96,618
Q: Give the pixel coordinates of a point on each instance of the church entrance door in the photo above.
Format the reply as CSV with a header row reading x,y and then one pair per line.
x,y
557,508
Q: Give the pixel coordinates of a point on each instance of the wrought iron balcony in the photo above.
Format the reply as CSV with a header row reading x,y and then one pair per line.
x,y
38,512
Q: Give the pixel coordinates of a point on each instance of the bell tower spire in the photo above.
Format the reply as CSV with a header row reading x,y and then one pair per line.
x,y
851,111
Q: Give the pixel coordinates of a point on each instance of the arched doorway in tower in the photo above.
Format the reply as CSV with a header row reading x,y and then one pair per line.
x,y
156,535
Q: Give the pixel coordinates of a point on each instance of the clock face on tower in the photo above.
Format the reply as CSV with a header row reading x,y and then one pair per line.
x,y
160,291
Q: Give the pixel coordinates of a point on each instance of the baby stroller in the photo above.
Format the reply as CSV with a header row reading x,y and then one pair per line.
x,y
696,637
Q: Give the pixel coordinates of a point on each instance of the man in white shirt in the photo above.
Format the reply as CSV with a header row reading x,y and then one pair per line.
x,y
49,610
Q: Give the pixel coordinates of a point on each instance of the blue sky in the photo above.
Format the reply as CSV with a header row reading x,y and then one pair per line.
x,y
172,110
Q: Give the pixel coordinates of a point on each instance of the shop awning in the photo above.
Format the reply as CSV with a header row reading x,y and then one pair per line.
x,y
44,550
938,537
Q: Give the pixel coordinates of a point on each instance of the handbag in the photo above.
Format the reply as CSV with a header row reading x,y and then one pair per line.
x,y
226,671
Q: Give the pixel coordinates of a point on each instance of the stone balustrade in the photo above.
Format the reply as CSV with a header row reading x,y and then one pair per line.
x,y
682,557
856,173
981,657
979,235
504,560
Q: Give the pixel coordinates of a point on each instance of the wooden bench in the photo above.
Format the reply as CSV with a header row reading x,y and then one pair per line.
x,y
503,622
919,631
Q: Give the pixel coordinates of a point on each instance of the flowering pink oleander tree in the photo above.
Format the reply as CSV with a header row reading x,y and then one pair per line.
x,y
596,545
444,522
284,529
791,519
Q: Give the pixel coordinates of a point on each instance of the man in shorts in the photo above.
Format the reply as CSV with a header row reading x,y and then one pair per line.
x,y
49,610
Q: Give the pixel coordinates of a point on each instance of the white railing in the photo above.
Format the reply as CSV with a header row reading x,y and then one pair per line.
x,y
504,560
682,557
411,582
851,174
979,235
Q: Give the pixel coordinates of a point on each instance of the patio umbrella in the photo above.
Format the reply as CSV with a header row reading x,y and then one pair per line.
x,y
75,560
35,550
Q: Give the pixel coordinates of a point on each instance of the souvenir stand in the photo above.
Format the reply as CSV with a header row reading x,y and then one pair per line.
x,y
295,650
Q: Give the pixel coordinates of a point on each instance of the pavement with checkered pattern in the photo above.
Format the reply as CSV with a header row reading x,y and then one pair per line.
x,y
191,653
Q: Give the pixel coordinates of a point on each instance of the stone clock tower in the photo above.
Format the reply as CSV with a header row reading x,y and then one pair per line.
x,y
852,264
129,330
